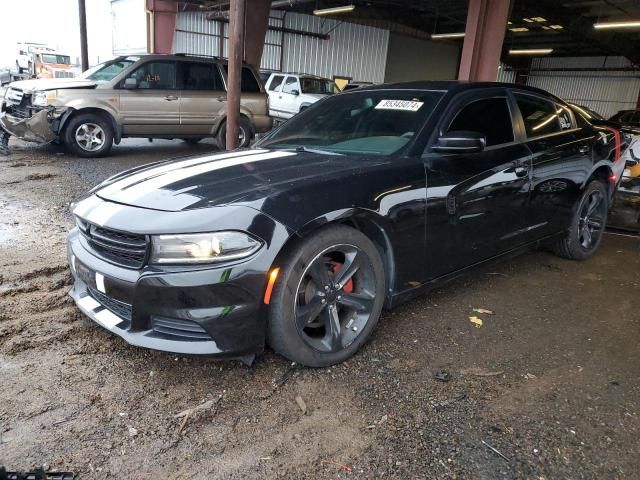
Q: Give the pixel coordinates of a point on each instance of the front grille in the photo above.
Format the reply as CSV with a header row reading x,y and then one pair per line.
x,y
126,249
63,74
121,309
179,329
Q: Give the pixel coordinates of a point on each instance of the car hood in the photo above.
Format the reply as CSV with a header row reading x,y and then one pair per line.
x,y
29,86
222,179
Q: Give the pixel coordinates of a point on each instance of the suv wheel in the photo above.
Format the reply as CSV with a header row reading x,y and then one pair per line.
x,y
245,134
89,135
587,226
328,298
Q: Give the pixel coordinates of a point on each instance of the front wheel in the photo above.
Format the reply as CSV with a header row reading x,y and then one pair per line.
x,y
89,135
328,298
587,226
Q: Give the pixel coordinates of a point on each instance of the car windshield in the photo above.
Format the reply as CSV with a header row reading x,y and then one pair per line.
x,y
107,71
378,122
316,85
53,58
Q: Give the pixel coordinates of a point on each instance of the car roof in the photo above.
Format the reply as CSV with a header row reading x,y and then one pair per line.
x,y
452,85
178,56
298,74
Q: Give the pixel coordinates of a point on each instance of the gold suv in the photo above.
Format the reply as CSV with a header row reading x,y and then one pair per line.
x,y
149,96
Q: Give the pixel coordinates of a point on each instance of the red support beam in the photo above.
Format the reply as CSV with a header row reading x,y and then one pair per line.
x,y
162,25
256,24
236,53
484,35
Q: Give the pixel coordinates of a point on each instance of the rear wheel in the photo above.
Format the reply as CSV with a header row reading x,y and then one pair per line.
x,y
89,135
245,134
328,298
588,224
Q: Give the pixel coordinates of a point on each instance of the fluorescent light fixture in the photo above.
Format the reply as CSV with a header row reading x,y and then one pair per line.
x,y
528,20
335,10
530,51
436,36
539,19
519,29
615,25
556,27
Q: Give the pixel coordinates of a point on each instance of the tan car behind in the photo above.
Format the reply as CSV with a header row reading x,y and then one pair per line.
x,y
150,96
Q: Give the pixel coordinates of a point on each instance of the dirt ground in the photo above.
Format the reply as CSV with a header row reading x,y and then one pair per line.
x,y
551,381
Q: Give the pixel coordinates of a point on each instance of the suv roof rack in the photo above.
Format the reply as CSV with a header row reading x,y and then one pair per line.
x,y
213,57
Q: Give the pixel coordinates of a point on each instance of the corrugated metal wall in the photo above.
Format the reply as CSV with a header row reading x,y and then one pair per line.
x,y
355,51
505,75
604,92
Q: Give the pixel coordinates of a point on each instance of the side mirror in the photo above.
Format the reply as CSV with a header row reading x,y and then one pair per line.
x,y
130,83
633,161
460,142
295,92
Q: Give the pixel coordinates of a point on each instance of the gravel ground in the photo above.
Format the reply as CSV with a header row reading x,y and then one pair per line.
x,y
551,381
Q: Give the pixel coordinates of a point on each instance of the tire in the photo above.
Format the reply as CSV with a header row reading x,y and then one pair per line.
x,y
96,127
294,329
246,134
587,224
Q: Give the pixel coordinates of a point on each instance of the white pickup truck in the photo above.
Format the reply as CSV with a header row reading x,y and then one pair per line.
x,y
290,93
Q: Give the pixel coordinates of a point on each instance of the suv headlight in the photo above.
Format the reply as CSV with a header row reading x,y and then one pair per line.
x,y
42,99
202,247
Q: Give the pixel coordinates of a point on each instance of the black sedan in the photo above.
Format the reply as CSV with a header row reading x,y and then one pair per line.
x,y
362,201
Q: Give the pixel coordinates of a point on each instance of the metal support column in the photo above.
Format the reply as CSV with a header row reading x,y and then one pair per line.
x,y
234,76
484,35
84,52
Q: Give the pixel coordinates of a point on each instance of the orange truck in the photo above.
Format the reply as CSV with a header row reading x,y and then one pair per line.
x,y
40,61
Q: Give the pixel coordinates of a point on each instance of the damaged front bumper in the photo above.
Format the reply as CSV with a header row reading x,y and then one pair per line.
x,y
38,127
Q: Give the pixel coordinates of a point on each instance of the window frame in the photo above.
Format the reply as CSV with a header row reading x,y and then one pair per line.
x,y
549,99
135,68
182,65
285,81
462,99
273,77
462,105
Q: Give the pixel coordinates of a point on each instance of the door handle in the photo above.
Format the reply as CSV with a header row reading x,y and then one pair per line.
x,y
584,149
170,98
521,171
221,99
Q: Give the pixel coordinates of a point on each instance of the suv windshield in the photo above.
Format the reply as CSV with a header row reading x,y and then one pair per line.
x,y
361,123
53,58
107,71
316,85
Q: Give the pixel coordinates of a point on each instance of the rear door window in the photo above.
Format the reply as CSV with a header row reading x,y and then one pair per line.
x,y
473,117
541,116
276,81
201,76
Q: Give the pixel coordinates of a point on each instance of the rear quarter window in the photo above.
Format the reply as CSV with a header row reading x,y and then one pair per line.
x,y
248,83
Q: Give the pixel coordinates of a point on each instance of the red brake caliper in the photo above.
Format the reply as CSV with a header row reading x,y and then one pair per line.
x,y
348,287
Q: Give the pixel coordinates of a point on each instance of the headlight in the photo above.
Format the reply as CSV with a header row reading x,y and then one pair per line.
x,y
42,99
202,247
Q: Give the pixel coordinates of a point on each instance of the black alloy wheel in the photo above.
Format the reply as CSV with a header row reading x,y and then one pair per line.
x,y
328,297
335,298
592,218
588,224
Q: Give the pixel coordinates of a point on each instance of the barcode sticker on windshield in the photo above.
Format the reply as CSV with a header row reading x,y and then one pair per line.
x,y
407,105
